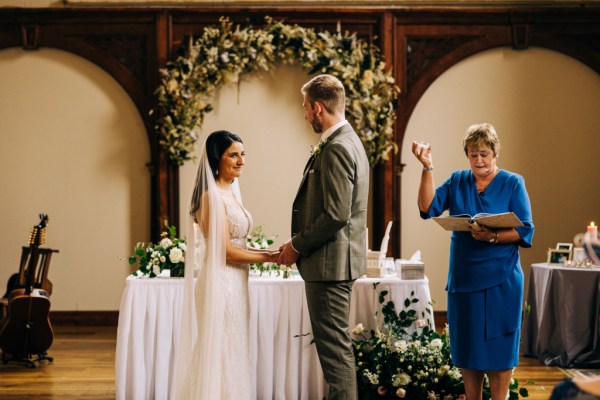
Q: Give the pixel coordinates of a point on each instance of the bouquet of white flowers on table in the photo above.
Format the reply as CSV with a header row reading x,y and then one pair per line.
x,y
168,254
259,241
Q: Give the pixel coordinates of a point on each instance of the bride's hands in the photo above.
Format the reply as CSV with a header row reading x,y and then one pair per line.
x,y
423,153
273,256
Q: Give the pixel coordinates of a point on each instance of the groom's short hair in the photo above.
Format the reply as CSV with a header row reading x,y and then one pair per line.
x,y
328,90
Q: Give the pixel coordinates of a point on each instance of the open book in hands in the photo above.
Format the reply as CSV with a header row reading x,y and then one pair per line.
x,y
465,222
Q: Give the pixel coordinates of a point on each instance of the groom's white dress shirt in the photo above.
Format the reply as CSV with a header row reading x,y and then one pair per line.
x,y
332,129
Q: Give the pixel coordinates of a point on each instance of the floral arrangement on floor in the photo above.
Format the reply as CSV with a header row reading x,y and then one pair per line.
x,y
258,240
407,359
223,54
168,254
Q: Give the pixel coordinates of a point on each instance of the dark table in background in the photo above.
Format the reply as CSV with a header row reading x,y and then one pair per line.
x,y
563,327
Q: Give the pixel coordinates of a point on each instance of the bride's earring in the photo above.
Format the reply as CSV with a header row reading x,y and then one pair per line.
x,y
217,172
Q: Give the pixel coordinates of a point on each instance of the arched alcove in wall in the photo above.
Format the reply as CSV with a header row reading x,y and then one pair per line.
x,y
74,147
542,104
267,113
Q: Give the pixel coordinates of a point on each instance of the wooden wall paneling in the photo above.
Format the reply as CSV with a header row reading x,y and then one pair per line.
x,y
383,205
165,174
191,22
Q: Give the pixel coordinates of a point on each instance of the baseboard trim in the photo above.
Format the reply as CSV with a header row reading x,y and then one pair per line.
x,y
84,318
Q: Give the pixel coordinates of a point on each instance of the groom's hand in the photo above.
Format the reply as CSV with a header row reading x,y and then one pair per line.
x,y
288,255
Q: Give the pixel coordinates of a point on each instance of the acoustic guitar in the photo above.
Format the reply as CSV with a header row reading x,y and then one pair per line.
x,y
27,330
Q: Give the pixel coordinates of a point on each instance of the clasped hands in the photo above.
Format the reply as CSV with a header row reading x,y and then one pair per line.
x,y
484,235
287,255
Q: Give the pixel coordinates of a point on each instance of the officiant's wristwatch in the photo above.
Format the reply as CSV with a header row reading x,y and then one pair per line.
x,y
494,239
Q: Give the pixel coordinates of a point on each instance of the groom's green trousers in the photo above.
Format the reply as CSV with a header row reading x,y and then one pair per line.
x,y
329,309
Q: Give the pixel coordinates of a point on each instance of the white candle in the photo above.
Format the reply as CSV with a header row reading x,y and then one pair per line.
x,y
592,229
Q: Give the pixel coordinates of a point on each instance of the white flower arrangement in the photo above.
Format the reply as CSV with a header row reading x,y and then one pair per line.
x,y
223,54
169,254
393,363
259,241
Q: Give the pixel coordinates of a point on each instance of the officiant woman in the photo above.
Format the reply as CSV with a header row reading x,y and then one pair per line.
x,y
485,280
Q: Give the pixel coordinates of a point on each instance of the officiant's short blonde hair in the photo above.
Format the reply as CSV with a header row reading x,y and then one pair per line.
x,y
479,134
328,90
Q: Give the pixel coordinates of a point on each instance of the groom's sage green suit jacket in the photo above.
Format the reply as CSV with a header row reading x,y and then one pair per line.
x,y
329,215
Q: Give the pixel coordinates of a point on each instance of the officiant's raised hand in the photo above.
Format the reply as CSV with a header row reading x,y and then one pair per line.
x,y
288,255
422,151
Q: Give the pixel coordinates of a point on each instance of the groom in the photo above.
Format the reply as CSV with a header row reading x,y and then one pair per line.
x,y
329,218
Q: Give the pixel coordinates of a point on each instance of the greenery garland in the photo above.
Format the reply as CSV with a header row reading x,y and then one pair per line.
x,y
222,54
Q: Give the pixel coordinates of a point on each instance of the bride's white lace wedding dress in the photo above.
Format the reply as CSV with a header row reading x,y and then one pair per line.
x,y
235,379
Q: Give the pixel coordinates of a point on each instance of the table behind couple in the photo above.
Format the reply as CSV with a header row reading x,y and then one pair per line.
x,y
285,363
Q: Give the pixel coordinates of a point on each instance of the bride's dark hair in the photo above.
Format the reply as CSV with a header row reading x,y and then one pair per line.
x,y
214,147
216,144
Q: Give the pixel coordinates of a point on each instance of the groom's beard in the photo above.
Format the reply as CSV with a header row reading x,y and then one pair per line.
x,y
317,126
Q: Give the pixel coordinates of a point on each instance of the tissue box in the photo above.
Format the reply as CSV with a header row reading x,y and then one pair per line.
x,y
411,270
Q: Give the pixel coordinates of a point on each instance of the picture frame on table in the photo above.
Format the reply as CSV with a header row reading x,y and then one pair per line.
x,y
558,256
579,255
564,246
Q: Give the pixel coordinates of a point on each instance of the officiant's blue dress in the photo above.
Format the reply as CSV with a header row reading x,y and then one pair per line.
x,y
485,281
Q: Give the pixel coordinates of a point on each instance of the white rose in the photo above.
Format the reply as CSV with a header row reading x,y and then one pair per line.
x,y
437,343
162,259
358,329
264,244
404,379
455,374
401,392
401,346
176,255
165,243
182,246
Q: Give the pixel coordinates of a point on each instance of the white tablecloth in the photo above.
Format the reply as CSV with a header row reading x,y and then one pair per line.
x,y
285,364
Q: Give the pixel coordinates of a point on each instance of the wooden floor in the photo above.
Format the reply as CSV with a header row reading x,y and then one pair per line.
x,y
83,368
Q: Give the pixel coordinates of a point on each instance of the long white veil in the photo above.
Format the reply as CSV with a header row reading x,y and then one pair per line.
x,y
198,347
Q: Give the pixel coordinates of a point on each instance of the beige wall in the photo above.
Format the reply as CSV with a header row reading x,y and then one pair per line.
x,y
74,147
544,106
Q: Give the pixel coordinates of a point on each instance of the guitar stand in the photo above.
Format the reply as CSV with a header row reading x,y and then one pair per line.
x,y
30,360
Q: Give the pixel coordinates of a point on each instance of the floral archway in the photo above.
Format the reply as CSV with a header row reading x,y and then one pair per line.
x,y
224,53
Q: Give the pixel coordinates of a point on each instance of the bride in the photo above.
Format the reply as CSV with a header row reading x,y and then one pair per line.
x,y
216,309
